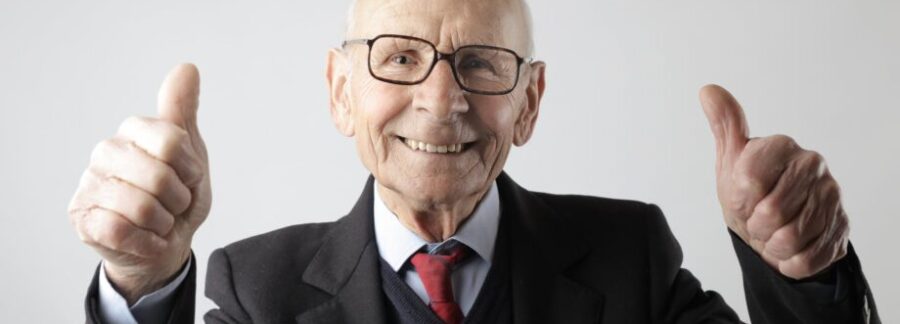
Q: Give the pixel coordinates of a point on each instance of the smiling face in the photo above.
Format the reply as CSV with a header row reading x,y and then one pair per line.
x,y
433,143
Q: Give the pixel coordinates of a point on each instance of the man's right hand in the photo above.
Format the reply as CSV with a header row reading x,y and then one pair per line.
x,y
147,190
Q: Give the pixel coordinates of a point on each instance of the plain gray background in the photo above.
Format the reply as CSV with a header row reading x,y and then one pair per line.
x,y
620,118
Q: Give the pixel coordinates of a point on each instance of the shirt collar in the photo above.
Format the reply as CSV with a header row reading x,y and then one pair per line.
x,y
396,243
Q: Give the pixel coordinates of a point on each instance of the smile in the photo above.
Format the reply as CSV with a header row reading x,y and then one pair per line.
x,y
433,148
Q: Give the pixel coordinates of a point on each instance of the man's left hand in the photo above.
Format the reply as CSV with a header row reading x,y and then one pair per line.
x,y
776,196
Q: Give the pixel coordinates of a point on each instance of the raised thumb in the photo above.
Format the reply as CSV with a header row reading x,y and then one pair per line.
x,y
178,100
726,120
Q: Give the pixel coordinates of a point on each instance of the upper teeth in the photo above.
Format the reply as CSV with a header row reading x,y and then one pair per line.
x,y
431,148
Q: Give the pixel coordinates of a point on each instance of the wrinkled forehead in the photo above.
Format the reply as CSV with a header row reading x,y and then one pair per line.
x,y
448,24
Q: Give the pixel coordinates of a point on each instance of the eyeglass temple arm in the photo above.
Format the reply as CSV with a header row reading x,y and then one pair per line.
x,y
362,41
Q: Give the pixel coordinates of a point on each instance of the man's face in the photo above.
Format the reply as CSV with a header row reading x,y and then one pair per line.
x,y
386,119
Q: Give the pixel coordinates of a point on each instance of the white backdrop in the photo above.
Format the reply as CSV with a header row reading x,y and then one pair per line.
x,y
620,118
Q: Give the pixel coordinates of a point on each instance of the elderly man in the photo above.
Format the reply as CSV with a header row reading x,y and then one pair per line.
x,y
435,93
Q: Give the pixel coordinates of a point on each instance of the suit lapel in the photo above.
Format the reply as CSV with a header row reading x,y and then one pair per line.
x,y
542,248
346,266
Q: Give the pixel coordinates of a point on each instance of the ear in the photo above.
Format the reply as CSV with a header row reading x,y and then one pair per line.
x,y
337,71
529,113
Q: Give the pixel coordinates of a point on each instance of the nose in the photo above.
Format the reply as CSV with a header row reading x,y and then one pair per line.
x,y
439,95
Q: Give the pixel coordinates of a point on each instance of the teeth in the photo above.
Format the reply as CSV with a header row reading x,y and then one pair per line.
x,y
431,148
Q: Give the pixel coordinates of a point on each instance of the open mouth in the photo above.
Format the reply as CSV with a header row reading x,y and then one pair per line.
x,y
416,145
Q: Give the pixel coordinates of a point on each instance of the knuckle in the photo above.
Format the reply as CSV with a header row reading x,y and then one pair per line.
x,y
85,239
113,234
768,211
815,161
134,124
172,144
779,250
75,214
831,189
766,219
94,176
755,145
841,225
77,219
785,239
130,121
816,158
746,182
783,140
803,268
160,180
181,202
175,136
87,177
195,173
103,150
144,210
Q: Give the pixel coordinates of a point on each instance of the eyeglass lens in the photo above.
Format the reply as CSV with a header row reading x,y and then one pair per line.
x,y
478,68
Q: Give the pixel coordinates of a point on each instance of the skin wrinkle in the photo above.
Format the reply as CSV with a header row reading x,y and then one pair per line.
x,y
433,194
519,11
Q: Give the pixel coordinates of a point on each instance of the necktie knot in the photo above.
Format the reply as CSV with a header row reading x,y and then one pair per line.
x,y
435,270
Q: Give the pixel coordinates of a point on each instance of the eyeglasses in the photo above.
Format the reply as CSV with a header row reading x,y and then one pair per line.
x,y
408,60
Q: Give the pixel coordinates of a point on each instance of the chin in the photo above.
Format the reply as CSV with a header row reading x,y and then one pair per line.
x,y
437,189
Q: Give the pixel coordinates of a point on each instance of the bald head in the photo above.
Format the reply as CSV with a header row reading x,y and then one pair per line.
x,y
446,21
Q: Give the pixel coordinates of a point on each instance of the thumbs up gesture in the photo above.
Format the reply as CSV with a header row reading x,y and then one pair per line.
x,y
779,198
147,190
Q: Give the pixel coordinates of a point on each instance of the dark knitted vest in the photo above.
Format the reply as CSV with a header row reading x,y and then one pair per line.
x,y
493,304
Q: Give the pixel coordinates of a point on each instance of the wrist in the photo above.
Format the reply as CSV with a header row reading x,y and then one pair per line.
x,y
135,281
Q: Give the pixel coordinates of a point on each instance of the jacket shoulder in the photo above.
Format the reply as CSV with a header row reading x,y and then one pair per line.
x,y
611,224
247,278
290,240
594,211
275,253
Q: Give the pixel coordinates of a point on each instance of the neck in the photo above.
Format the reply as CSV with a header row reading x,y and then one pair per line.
x,y
433,222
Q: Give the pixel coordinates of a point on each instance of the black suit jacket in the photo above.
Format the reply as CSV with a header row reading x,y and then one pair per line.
x,y
574,259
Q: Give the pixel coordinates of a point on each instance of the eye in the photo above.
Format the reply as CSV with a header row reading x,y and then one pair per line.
x,y
474,63
401,59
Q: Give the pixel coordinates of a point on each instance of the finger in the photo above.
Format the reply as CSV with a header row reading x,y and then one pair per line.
x,y
104,228
137,206
727,122
117,158
166,142
756,172
790,194
822,207
824,251
178,101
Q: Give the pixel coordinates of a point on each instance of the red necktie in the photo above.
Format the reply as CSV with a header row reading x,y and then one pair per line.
x,y
435,270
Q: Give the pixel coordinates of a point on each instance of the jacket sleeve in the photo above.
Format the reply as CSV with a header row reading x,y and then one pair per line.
x,y
220,289
774,298
183,299
677,296
771,297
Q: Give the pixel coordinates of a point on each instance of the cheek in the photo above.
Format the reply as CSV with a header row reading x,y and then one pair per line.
x,y
497,115
497,118
376,106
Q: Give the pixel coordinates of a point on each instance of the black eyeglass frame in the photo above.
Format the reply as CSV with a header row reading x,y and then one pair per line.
x,y
438,56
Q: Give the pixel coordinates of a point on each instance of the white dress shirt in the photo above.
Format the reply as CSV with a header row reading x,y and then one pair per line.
x,y
396,244
151,308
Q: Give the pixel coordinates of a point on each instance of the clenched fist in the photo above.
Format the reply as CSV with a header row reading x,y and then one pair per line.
x,y
147,190
779,198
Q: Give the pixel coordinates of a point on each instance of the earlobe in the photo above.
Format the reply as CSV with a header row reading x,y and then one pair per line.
x,y
336,75
531,105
